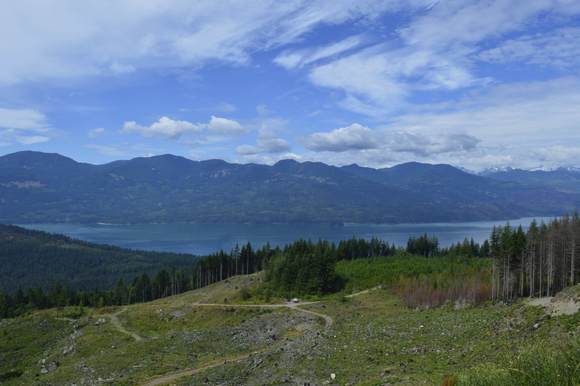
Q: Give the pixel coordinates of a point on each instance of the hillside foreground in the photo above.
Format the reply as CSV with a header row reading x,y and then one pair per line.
x,y
217,335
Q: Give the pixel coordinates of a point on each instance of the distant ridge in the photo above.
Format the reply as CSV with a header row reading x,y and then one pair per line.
x,y
565,180
31,258
44,187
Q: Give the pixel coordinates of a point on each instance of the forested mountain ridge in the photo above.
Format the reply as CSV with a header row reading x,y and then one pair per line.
x,y
33,258
564,180
41,187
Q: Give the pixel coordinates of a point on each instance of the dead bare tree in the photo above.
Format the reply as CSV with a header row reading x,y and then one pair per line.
x,y
540,262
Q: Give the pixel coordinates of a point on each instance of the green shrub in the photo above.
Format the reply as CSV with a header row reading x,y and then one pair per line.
x,y
366,273
245,294
535,366
10,374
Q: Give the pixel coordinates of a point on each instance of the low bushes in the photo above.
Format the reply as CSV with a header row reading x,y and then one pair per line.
x,y
422,282
436,289
536,366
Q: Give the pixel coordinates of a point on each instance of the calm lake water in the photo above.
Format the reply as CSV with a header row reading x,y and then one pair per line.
x,y
201,239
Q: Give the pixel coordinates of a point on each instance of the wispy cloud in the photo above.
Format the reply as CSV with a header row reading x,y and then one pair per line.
x,y
437,52
530,111
270,145
300,58
269,141
125,150
23,119
94,133
91,40
23,126
559,48
476,83
10,137
377,81
527,125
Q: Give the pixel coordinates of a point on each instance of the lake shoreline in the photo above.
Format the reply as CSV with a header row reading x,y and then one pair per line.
x,y
202,239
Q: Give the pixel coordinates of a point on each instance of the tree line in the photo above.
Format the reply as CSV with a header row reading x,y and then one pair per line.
x,y
30,258
143,288
538,262
297,268
309,268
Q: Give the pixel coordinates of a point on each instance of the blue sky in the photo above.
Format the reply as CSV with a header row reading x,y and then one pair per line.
x,y
478,84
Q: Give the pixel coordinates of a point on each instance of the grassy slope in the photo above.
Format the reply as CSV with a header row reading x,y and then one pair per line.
x,y
374,340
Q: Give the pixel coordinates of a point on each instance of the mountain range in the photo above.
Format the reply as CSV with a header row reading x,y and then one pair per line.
x,y
562,179
45,187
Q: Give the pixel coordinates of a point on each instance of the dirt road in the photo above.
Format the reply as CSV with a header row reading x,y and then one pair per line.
x,y
172,377
119,326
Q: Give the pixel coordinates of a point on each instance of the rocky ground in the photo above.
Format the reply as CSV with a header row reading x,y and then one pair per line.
x,y
566,302
206,337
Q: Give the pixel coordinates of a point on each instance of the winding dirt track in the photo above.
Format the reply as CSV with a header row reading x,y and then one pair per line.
x,y
172,377
119,326
363,292
293,306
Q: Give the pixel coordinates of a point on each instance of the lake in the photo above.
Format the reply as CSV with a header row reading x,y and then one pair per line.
x,y
201,239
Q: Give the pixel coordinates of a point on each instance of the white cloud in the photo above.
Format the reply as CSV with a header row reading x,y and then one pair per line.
x,y
559,48
299,58
435,52
226,107
217,129
423,145
525,112
274,145
23,119
23,126
91,40
121,69
555,156
94,133
527,125
466,22
15,137
387,144
353,137
125,150
108,150
262,110
32,139
366,79
377,81
269,142
225,126
164,127
269,158
441,54
265,145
